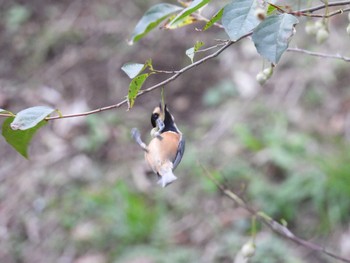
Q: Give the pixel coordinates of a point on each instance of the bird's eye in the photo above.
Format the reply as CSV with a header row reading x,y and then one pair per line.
x,y
154,118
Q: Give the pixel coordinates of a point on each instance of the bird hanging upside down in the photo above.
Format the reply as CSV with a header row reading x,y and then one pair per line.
x,y
167,147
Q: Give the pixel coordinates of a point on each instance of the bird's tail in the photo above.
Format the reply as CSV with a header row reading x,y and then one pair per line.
x,y
167,177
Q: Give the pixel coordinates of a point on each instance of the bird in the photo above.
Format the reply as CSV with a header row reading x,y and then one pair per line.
x,y
165,150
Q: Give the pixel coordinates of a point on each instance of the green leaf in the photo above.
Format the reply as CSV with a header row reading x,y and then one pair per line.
x,y
214,19
19,139
272,36
132,69
191,51
134,87
180,23
30,117
271,9
194,6
151,19
247,138
239,18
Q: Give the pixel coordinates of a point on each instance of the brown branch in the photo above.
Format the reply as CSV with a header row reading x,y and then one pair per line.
x,y
318,54
160,84
271,223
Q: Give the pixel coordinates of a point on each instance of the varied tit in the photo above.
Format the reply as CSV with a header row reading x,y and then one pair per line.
x,y
167,147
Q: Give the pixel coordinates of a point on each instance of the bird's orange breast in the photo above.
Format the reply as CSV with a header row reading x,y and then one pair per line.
x,y
162,150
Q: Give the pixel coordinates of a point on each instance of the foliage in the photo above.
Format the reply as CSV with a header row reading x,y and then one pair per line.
x,y
239,19
278,168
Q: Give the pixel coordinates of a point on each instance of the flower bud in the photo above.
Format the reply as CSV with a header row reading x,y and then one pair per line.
x,y
268,72
310,28
322,35
319,24
248,249
261,78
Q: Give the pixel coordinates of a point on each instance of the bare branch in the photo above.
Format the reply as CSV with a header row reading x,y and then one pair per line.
x,y
271,223
318,54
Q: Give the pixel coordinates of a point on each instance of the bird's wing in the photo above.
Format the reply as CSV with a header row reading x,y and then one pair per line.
x,y
180,152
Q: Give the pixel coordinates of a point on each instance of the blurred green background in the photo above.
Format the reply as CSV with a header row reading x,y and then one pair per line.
x,y
85,197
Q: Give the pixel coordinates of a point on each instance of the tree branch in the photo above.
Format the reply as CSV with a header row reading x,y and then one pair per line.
x,y
142,92
318,54
337,12
316,8
271,223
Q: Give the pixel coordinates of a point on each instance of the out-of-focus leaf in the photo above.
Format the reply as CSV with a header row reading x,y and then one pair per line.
x,y
134,87
214,19
239,18
19,139
30,117
152,18
247,138
180,23
272,36
191,51
194,6
16,16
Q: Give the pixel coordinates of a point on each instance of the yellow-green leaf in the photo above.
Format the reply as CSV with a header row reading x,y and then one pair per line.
x,y
194,6
271,9
214,19
191,51
153,17
180,23
134,88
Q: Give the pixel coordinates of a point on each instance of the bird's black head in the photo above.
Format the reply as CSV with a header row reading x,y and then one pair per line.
x,y
156,114
165,116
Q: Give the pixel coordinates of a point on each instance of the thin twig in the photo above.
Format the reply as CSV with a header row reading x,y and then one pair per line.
x,y
210,48
318,54
316,8
271,223
337,12
165,71
200,50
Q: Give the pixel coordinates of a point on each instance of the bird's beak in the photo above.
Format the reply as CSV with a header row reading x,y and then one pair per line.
x,y
160,125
